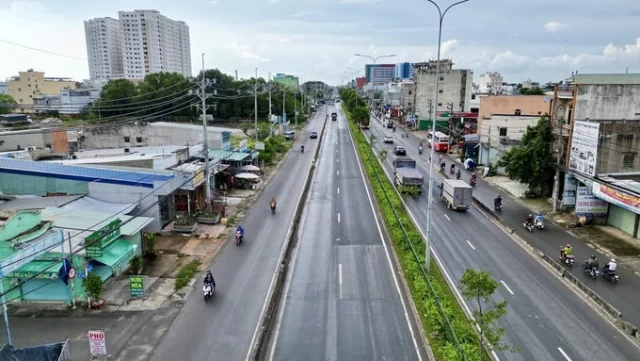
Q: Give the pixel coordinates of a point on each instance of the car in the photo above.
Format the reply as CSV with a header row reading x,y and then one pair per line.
x,y
389,124
334,116
388,139
289,135
313,135
398,150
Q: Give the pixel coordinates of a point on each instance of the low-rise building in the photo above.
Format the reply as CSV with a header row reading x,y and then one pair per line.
x,y
69,101
490,83
503,120
597,120
4,88
455,88
33,84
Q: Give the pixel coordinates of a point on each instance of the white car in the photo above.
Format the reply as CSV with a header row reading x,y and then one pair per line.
x,y
388,140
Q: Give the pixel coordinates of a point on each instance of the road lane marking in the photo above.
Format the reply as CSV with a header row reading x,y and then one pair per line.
x,y
338,190
507,287
338,217
337,172
386,251
447,217
340,279
337,160
470,245
564,354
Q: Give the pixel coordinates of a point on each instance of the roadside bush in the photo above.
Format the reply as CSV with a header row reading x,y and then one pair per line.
x,y
439,310
186,273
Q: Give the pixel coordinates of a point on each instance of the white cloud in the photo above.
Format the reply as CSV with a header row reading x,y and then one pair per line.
x,y
554,26
285,40
235,46
213,2
299,37
448,46
249,55
273,1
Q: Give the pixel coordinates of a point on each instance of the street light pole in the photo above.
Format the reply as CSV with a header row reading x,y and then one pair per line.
x,y
255,100
374,59
434,112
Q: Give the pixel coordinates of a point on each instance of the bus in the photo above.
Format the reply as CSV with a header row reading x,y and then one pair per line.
x,y
440,141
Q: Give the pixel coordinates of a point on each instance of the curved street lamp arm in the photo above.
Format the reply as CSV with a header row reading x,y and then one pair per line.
x,y
452,5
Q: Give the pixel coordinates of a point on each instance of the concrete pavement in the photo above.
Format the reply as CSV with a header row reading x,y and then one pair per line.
x,y
623,296
342,300
545,319
225,327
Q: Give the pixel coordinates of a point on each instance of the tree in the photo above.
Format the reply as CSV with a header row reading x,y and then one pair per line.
x,y
531,161
116,97
360,115
6,103
531,91
478,286
165,93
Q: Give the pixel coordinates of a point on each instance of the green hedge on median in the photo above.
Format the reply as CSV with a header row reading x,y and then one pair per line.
x,y
441,341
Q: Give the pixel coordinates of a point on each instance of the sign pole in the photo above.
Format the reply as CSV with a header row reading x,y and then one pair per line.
x,y
72,279
4,309
66,271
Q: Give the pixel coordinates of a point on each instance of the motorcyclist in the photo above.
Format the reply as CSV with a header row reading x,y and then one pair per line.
x,y
272,202
458,174
498,201
240,229
453,168
611,266
420,148
539,218
302,148
209,280
565,251
473,178
592,263
529,220
443,165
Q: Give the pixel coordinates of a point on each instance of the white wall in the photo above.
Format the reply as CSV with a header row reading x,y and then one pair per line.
x,y
608,102
515,126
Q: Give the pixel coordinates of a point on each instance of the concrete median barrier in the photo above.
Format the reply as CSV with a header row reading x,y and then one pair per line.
x,y
273,298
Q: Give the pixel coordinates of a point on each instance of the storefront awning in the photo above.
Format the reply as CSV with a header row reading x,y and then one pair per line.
x,y
116,253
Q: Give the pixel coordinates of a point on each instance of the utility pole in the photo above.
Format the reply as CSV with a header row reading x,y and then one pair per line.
x,y
201,93
284,100
255,100
295,106
556,183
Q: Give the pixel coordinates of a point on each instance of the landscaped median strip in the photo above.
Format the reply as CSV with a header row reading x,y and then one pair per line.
x,y
451,334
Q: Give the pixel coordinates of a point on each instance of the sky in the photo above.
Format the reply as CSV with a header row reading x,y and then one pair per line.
x,y
541,40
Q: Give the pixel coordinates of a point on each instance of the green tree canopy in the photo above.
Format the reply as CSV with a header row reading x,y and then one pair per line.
x,y
531,161
360,115
116,98
6,102
531,91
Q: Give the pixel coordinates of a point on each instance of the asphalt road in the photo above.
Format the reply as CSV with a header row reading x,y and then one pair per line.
x,y
223,328
342,301
545,319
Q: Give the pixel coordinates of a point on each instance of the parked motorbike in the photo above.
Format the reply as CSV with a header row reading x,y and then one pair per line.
x,y
528,226
239,238
591,271
539,225
207,290
610,276
568,260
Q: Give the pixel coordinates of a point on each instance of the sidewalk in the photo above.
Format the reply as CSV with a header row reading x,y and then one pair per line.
x,y
623,296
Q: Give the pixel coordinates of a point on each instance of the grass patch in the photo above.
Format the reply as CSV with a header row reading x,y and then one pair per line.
x,y
451,335
186,273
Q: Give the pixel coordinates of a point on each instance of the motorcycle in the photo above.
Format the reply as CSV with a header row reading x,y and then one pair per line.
x,y
528,226
452,170
273,208
458,174
539,225
302,149
239,238
420,150
591,271
610,276
568,260
497,206
473,180
207,290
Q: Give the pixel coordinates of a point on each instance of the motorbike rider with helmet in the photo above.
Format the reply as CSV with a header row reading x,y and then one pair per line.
x,y
539,218
592,263
565,252
529,220
272,203
209,280
498,201
240,229
610,267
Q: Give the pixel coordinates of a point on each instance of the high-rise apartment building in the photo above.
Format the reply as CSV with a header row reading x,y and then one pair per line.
x,y
378,74
404,70
141,42
104,48
153,43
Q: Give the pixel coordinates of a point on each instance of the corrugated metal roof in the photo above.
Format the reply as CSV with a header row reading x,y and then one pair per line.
x,y
38,202
92,221
85,174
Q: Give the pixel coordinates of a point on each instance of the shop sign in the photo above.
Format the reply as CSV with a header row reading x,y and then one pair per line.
x,y
570,188
31,252
584,147
100,238
619,198
588,205
97,343
136,286
35,275
259,146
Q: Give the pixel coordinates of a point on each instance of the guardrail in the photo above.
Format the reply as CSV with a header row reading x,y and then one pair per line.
x,y
615,315
273,298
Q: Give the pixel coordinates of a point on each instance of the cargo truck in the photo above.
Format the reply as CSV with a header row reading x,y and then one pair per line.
x,y
406,176
456,194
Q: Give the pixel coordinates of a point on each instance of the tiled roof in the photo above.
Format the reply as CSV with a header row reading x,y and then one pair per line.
x,y
78,173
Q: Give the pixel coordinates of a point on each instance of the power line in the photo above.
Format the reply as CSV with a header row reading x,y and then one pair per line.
x,y
41,50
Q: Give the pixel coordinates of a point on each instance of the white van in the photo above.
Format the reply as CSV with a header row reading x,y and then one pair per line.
x,y
289,134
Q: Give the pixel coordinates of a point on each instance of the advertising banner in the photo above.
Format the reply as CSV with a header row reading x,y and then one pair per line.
x,y
621,199
570,188
97,343
588,205
584,147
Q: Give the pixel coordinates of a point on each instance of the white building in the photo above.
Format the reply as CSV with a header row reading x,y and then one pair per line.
x,y
490,83
104,48
69,101
153,43
4,88
455,88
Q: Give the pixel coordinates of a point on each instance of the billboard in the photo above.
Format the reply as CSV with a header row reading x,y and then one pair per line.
x,y
621,199
588,205
584,147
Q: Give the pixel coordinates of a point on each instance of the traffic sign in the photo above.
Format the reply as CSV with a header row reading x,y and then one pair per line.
x,y
72,273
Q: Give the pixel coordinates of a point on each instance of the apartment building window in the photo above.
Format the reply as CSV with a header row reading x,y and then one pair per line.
x,y
441,78
518,112
127,139
440,91
503,131
628,159
139,139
